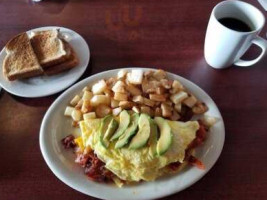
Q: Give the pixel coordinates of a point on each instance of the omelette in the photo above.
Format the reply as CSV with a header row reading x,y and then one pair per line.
x,y
134,165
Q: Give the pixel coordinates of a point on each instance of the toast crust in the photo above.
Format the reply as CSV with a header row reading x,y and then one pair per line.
x,y
20,61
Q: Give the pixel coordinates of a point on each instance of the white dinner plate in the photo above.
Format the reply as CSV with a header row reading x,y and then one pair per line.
x,y
55,127
47,85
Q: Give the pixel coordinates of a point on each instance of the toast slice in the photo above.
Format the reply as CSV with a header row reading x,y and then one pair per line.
x,y
49,48
20,61
71,62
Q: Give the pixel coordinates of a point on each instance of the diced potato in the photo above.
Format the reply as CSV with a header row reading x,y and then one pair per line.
x,y
135,77
99,87
209,121
120,96
177,85
75,124
190,101
86,88
68,111
175,116
167,84
133,90
102,110
138,99
119,87
147,110
90,115
87,95
100,99
79,104
108,93
149,102
160,90
166,110
111,82
199,108
158,112
75,100
178,97
178,107
159,74
76,115
136,109
114,103
86,107
116,111
150,86
122,74
168,102
157,97
126,104
149,74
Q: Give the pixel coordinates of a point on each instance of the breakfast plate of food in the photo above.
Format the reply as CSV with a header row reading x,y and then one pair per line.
x,y
43,61
132,133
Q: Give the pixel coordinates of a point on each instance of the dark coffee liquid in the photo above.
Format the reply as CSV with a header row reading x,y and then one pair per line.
x,y
235,24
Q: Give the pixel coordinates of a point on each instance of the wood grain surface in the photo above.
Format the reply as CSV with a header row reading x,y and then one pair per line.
x,y
165,34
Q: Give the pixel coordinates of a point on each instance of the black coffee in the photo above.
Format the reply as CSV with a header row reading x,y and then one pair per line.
x,y
235,24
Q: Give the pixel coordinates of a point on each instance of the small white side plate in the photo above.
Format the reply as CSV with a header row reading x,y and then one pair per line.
x,y
56,126
47,85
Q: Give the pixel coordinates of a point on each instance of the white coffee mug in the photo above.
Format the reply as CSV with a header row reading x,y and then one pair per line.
x,y
224,46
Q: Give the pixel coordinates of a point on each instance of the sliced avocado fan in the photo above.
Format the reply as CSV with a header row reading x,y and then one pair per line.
x,y
103,128
142,136
124,123
165,138
153,138
130,131
112,126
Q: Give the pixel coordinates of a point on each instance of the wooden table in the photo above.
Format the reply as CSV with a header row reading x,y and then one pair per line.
x,y
165,34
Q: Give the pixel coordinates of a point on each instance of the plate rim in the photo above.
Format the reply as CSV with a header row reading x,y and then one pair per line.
x,y
60,89
94,194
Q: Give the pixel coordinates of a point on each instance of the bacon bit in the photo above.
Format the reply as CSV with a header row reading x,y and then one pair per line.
x,y
68,142
197,163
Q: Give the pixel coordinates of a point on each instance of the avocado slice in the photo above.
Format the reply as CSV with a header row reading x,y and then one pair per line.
x,y
165,138
112,126
124,123
130,131
142,136
103,127
153,138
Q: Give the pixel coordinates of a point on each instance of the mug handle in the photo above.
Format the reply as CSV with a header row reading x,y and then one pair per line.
x,y
262,43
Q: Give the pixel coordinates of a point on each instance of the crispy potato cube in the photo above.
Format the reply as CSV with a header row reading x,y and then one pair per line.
x,y
166,110
114,103
135,77
147,110
178,107
157,97
120,96
79,104
111,82
133,90
99,87
126,104
138,99
158,112
159,74
190,101
178,97
160,90
76,115
87,95
209,121
122,74
177,85
68,111
175,116
102,110
86,88
199,108
119,87
150,86
116,111
167,84
149,74
75,100
108,93
149,102
90,115
136,109
86,107
168,102
100,99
